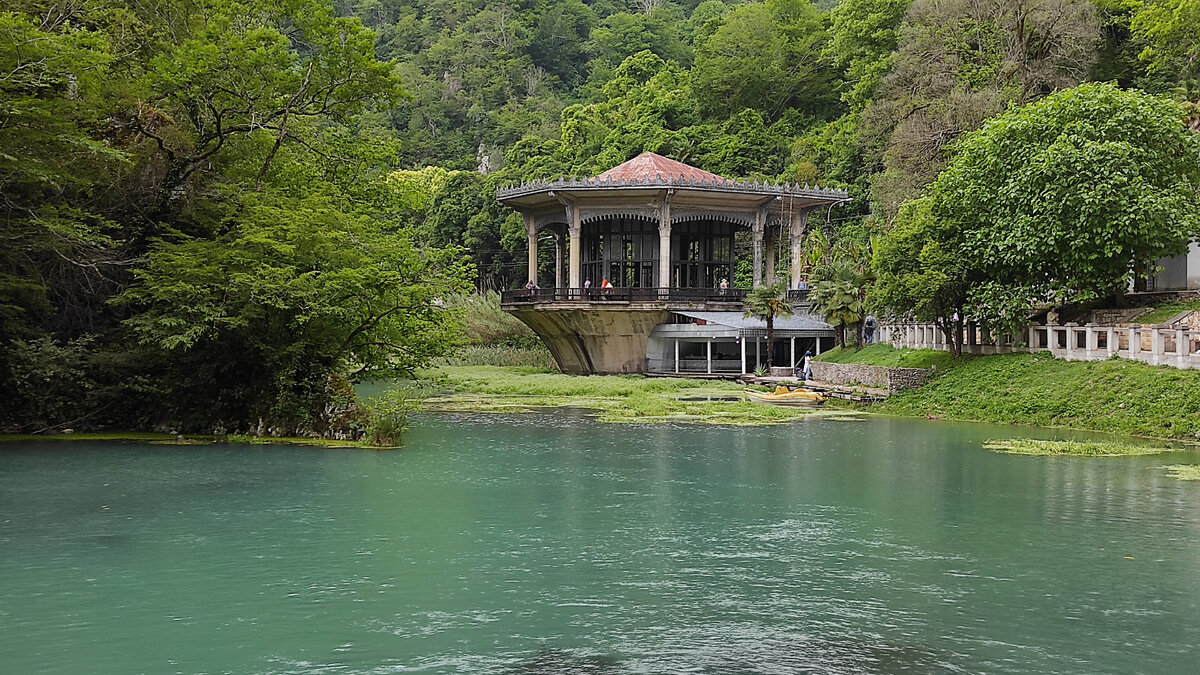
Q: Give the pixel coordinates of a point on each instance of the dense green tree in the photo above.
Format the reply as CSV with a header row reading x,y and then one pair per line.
x,y
261,69
1062,200
765,56
921,273
296,295
1170,33
960,62
1059,201
559,41
863,36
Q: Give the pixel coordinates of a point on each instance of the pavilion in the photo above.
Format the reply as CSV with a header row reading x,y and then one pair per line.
x,y
662,233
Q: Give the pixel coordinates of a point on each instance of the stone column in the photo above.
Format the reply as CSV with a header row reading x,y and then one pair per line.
x,y
1111,343
769,243
575,249
1135,341
1181,349
560,245
797,227
758,248
1069,334
664,242
1092,341
531,235
1156,345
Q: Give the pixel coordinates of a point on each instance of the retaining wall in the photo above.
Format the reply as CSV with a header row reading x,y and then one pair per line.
x,y
880,377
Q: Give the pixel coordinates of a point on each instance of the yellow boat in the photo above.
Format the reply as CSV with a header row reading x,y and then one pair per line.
x,y
785,396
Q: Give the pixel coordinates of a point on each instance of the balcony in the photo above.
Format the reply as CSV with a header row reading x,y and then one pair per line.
x,y
670,296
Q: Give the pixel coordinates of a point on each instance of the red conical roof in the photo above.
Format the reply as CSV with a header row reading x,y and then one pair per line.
x,y
650,166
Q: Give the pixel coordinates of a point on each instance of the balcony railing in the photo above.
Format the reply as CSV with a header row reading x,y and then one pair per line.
x,y
601,295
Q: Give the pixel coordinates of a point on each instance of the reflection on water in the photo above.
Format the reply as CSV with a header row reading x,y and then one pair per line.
x,y
549,543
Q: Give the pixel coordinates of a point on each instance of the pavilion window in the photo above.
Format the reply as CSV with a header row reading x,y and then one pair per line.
x,y
622,250
701,253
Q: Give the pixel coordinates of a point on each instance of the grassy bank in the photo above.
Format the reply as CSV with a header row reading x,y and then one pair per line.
x,y
1116,396
886,355
1168,311
617,398
189,439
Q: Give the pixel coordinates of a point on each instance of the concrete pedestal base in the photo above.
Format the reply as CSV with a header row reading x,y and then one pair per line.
x,y
593,341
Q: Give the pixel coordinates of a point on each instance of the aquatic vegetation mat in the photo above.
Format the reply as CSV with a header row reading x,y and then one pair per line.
x,y
615,398
1184,471
1028,446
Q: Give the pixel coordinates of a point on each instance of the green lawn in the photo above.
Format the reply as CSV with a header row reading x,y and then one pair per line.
x,y
886,355
1168,310
1116,395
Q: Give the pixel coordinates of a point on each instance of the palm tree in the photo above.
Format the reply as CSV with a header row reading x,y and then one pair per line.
x,y
840,295
768,302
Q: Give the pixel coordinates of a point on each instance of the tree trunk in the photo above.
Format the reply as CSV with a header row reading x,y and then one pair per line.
x,y
770,340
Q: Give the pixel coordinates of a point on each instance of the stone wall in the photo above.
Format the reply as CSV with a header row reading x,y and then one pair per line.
x,y
880,377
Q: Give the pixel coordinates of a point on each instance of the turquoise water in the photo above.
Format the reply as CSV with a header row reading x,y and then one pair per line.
x,y
549,543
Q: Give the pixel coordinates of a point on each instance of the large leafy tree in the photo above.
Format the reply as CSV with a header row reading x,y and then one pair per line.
x,y
920,272
1063,199
253,68
297,296
1059,201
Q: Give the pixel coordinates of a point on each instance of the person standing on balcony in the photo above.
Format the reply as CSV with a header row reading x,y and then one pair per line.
x,y
724,286
532,287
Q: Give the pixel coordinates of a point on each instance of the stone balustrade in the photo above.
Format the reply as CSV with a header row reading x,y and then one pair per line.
x,y
1160,345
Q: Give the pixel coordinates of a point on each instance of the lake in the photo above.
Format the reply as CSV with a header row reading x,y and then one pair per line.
x,y
550,543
